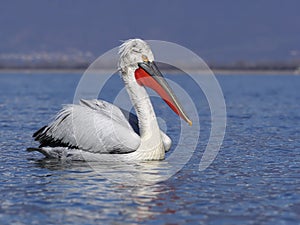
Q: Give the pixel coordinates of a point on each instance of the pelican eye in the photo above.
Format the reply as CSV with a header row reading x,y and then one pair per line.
x,y
145,58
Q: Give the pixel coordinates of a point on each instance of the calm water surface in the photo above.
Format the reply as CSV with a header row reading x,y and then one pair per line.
x,y
255,178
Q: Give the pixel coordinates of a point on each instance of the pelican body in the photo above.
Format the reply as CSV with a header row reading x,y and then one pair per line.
x,y
96,127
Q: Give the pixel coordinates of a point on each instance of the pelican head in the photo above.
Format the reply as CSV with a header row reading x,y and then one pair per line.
x,y
132,52
137,67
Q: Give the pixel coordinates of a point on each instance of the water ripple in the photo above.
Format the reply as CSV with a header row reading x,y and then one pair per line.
x,y
255,178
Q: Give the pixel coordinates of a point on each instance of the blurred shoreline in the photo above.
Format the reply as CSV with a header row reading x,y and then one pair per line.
x,y
79,65
165,71
79,62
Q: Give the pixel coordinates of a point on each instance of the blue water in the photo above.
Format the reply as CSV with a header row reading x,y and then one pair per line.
x,y
255,178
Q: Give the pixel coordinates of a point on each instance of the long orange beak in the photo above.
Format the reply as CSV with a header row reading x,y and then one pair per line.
x,y
149,75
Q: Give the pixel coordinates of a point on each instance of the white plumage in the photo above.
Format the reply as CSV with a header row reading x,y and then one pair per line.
x,y
96,129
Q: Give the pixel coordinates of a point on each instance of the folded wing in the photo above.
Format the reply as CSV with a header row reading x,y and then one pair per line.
x,y
94,125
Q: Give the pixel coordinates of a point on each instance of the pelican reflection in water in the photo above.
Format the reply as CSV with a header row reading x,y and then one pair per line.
x,y
96,129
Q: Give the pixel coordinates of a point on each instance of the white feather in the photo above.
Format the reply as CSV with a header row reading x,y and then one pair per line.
x,y
96,127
